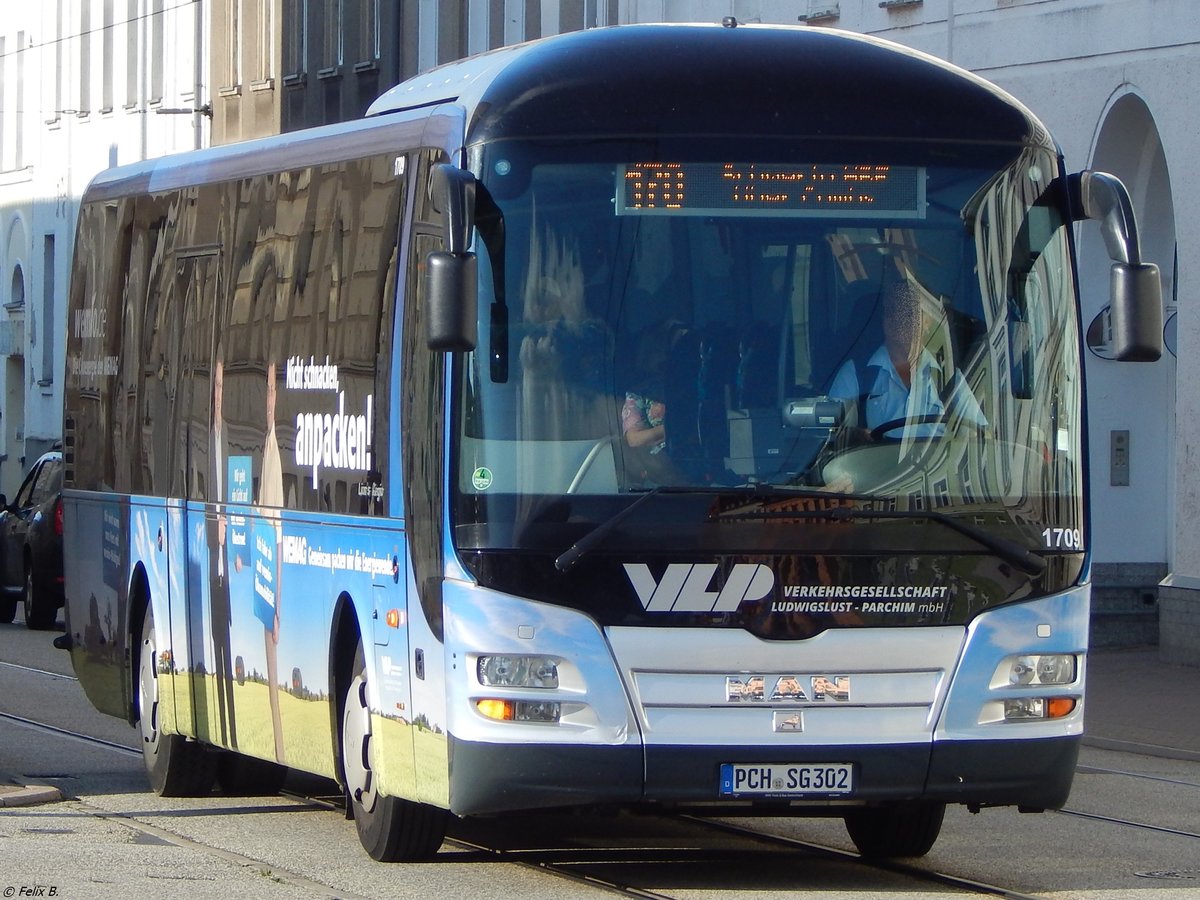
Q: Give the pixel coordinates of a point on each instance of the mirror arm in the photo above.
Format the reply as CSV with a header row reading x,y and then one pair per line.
x,y
1103,197
1136,314
454,189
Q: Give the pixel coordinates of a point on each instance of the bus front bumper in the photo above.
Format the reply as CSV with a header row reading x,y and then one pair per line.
x,y
487,778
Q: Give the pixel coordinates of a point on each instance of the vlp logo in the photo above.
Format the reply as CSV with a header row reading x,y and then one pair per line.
x,y
689,588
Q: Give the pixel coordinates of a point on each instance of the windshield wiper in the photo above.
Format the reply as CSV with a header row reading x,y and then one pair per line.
x,y
575,552
1009,551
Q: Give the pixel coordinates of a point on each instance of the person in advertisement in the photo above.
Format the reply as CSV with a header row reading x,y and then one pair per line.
x,y
268,543
218,568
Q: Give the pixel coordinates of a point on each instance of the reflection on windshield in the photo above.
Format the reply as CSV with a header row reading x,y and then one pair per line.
x,y
917,345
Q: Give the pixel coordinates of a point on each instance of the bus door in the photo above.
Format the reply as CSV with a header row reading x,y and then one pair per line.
x,y
393,679
204,610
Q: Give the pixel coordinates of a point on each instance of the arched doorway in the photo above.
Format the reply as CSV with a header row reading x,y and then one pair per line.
x,y
12,418
1131,406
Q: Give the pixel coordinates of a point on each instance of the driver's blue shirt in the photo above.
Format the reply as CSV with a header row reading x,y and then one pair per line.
x,y
889,400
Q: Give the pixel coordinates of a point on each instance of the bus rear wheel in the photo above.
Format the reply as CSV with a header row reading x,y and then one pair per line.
x,y
390,829
176,766
897,829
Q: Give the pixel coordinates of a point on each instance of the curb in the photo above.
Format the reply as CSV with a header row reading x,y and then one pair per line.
x,y
28,795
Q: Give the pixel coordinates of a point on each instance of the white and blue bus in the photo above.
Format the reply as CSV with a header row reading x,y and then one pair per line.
x,y
657,417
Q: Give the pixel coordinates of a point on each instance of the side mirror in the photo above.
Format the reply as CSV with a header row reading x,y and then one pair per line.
x,y
451,285
1136,314
451,289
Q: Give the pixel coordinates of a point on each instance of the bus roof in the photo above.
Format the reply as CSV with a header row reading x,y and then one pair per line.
x,y
326,144
748,80
699,79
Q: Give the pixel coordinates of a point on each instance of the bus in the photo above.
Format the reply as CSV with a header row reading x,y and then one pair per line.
x,y
519,446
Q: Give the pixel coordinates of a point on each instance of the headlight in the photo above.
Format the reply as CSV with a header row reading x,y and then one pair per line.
x,y
1030,669
518,671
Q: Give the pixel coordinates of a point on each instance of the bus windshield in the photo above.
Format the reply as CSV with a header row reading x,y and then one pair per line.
x,y
884,327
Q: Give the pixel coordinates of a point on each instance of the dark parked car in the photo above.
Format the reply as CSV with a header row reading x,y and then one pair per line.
x,y
31,567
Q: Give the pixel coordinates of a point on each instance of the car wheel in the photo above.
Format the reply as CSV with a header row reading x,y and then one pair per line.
x,y
38,614
390,829
176,766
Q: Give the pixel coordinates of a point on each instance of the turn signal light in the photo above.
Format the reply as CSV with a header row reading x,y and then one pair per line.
x,y
519,710
501,710
1025,708
1057,707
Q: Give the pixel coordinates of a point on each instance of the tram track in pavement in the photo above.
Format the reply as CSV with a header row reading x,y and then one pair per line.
x,y
1141,776
572,863
1130,823
36,671
59,731
587,864
583,864
902,868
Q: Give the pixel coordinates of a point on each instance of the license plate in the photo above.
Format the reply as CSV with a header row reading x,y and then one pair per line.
x,y
786,779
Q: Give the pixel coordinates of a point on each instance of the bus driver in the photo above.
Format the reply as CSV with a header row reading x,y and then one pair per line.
x,y
902,382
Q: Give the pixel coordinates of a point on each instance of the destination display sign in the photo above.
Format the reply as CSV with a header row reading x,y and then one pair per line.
x,y
771,189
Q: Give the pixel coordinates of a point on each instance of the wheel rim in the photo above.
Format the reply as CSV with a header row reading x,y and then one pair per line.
x,y
356,744
27,598
148,691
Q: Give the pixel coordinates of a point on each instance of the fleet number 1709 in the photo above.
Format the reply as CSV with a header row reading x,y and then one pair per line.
x,y
1062,538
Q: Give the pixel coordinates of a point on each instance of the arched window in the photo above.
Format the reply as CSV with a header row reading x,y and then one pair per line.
x,y
17,296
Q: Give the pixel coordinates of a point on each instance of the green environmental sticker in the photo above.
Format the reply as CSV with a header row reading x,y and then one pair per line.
x,y
481,478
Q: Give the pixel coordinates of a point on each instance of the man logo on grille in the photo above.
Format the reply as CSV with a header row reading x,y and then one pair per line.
x,y
685,587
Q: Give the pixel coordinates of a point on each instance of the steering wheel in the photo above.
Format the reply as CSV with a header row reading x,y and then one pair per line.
x,y
878,432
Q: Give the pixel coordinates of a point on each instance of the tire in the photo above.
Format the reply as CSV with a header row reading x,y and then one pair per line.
x,y
8,610
248,776
39,615
175,766
898,829
390,829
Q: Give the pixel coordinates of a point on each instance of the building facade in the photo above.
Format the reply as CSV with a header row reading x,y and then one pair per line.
x,y
283,65
84,85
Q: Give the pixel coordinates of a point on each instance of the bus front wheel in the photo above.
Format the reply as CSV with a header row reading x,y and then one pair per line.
x,y
176,766
897,829
390,829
